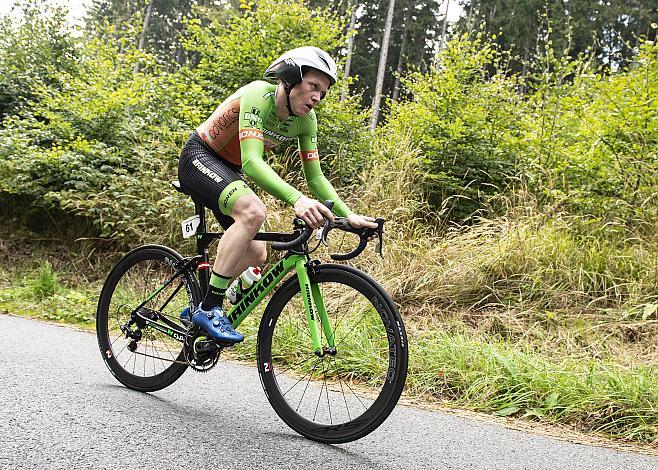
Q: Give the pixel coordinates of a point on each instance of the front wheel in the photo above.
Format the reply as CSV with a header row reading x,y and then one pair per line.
x,y
150,359
343,396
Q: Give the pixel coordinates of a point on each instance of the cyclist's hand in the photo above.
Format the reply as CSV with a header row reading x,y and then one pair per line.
x,y
312,212
359,221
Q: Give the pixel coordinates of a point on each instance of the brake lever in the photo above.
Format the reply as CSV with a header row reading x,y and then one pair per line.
x,y
380,237
363,233
323,232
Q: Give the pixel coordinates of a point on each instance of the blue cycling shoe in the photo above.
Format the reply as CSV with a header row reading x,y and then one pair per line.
x,y
215,324
185,316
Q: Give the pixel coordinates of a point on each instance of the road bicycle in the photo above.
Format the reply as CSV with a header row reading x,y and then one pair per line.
x,y
331,346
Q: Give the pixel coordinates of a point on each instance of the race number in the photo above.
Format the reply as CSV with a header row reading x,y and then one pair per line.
x,y
189,226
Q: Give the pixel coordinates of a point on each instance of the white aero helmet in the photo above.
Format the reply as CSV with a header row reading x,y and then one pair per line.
x,y
290,66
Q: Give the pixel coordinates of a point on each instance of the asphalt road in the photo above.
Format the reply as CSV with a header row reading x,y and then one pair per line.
x,y
61,408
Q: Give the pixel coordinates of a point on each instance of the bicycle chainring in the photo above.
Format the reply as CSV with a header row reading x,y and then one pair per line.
x,y
201,352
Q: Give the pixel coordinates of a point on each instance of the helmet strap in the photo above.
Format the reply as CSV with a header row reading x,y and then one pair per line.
x,y
287,87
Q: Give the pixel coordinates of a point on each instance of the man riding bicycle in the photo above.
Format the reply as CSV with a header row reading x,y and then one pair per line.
x,y
258,117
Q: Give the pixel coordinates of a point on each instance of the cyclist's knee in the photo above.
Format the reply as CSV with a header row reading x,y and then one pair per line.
x,y
250,211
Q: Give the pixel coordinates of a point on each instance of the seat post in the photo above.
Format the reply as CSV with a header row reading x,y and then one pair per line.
x,y
202,246
201,239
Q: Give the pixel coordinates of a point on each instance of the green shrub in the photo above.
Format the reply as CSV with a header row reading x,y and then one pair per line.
x,y
464,124
46,283
34,50
105,143
236,49
592,143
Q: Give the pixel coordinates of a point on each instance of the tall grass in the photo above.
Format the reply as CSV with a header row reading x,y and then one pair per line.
x,y
534,313
507,379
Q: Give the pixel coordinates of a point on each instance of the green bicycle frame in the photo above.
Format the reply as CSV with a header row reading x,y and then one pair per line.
x,y
311,295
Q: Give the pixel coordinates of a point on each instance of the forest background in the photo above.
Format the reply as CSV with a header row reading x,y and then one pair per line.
x,y
514,153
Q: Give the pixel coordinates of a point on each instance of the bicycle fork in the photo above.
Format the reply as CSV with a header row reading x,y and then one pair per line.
x,y
316,313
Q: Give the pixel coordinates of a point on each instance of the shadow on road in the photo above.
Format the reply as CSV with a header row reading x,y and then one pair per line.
x,y
190,414
356,457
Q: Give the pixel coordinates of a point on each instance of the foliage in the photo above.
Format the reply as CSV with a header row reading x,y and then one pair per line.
x,y
464,125
609,32
555,176
105,134
165,29
593,144
592,395
418,20
104,142
227,47
44,298
35,51
227,60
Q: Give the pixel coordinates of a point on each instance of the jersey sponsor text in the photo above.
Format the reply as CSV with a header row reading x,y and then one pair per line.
x,y
206,171
308,155
248,133
223,121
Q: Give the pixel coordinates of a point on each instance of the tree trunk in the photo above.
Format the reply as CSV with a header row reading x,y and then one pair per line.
x,y
524,71
443,28
142,39
403,46
382,66
350,47
470,13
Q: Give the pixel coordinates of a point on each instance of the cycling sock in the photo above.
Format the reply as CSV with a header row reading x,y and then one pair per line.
x,y
216,291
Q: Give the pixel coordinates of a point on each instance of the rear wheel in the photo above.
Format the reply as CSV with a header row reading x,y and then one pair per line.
x,y
343,396
151,359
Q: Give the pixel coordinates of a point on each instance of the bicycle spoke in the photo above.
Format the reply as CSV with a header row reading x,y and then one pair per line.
x,y
156,353
173,294
152,355
353,393
305,388
169,351
320,395
350,332
304,331
116,356
298,365
340,381
121,335
134,362
327,393
295,384
140,274
129,357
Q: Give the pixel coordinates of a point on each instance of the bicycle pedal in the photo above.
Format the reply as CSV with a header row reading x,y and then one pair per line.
x,y
204,344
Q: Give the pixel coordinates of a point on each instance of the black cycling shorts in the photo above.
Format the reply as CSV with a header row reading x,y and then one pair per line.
x,y
216,183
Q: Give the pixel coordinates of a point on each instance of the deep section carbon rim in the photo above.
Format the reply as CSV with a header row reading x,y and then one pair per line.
x,y
341,397
155,360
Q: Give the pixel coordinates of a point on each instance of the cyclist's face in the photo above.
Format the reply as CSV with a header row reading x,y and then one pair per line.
x,y
309,92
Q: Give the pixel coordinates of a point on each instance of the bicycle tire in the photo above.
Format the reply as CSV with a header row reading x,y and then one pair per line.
x,y
132,280
284,344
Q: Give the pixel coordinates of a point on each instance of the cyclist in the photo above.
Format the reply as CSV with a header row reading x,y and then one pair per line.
x,y
258,117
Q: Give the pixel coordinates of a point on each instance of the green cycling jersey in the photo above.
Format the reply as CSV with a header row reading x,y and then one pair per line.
x,y
246,124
